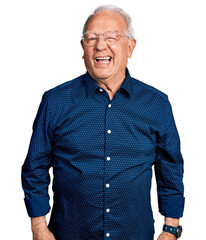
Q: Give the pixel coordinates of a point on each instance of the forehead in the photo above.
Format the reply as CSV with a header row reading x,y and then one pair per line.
x,y
106,21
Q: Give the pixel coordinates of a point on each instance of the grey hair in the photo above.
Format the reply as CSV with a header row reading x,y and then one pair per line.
x,y
129,31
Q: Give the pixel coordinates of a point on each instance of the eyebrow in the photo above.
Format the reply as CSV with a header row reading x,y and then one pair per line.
x,y
101,32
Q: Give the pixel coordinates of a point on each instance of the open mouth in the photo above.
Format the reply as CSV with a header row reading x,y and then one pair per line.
x,y
103,59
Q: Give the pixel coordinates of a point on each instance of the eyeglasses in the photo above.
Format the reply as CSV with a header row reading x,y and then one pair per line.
x,y
111,38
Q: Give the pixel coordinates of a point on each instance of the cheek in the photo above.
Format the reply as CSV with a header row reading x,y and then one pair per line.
x,y
88,57
120,59
120,54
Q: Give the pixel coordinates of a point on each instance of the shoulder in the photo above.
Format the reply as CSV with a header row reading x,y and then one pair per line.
x,y
144,89
64,96
65,89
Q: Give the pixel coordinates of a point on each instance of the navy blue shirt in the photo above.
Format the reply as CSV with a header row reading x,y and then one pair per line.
x,y
102,152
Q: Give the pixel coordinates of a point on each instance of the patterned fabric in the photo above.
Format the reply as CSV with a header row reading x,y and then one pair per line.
x,y
102,152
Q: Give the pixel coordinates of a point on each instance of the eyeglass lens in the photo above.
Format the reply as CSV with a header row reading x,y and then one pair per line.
x,y
111,38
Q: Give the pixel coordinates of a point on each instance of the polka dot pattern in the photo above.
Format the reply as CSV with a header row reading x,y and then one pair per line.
x,y
102,152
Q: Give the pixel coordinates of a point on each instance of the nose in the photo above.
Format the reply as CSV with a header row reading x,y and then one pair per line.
x,y
101,44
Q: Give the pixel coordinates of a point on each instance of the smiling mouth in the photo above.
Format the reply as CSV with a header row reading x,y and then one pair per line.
x,y
103,59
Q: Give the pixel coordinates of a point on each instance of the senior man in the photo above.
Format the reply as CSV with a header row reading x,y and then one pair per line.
x,y
102,133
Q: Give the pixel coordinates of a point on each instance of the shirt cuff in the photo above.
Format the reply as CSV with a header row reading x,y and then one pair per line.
x,y
171,207
37,207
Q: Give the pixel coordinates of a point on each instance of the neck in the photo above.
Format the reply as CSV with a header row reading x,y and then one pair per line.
x,y
110,85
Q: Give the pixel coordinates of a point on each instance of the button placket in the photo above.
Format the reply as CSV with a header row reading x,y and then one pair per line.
x,y
108,188
107,234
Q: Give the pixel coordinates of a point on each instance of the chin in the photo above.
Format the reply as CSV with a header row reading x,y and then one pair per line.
x,y
102,73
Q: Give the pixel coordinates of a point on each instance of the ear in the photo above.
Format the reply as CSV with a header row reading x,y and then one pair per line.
x,y
82,44
131,46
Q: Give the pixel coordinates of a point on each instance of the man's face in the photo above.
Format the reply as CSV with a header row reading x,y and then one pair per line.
x,y
119,53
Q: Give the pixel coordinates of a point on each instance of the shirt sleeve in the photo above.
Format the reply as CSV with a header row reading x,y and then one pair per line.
x,y
35,170
169,168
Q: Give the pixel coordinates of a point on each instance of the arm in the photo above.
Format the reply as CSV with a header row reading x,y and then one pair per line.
x,y
35,170
169,173
171,222
40,229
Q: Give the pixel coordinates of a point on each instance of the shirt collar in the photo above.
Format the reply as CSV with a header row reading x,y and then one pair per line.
x,y
91,86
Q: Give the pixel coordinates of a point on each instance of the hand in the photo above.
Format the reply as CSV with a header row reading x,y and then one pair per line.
x,y
40,229
43,234
166,236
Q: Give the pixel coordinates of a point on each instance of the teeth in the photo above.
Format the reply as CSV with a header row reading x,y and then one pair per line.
x,y
103,58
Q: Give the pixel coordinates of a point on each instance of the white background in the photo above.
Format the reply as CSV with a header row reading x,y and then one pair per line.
x,y
40,48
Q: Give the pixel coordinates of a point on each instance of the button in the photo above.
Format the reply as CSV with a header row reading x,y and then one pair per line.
x,y
107,210
108,158
101,90
109,131
109,105
107,185
107,234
